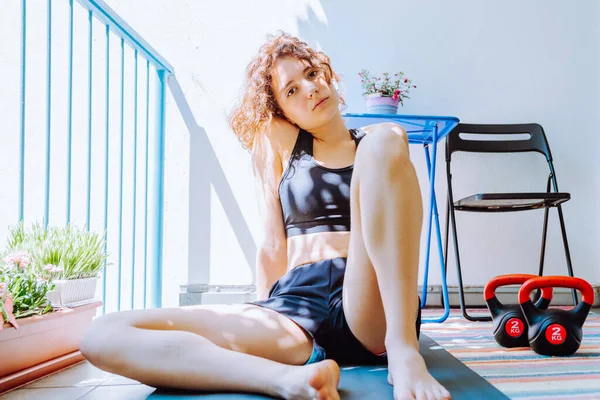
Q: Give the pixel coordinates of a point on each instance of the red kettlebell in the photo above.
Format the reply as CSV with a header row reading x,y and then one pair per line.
x,y
510,327
556,332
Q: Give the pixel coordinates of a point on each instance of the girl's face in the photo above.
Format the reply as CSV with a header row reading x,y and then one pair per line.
x,y
303,94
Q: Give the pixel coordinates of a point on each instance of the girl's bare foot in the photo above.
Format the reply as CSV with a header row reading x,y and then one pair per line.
x,y
317,381
408,373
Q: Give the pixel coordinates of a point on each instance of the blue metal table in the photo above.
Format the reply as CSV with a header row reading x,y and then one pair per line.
x,y
427,130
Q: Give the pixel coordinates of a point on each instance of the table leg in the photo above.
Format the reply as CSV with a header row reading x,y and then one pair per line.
x,y
430,216
433,214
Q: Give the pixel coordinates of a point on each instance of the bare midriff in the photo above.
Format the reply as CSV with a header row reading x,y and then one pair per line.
x,y
313,247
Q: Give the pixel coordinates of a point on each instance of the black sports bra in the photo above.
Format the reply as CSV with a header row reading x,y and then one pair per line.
x,y
315,198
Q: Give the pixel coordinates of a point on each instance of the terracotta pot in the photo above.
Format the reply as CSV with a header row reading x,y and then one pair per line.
x,y
40,342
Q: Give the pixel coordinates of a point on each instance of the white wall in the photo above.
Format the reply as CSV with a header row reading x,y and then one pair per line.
x,y
484,62
492,62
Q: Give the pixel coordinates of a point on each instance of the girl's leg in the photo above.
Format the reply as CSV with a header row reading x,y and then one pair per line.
x,y
238,347
380,284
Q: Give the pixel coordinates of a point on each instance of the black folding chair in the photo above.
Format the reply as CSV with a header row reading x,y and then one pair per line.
x,y
502,202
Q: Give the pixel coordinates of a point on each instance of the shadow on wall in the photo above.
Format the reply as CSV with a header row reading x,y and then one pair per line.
x,y
343,26
205,170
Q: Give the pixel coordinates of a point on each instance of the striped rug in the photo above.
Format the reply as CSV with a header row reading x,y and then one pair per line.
x,y
520,373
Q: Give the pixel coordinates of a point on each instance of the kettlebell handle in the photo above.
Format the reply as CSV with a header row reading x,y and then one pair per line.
x,y
557,281
489,291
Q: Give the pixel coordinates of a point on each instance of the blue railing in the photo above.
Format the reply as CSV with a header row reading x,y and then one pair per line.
x,y
102,168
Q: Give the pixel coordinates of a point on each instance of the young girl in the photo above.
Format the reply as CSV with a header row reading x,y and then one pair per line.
x,y
337,263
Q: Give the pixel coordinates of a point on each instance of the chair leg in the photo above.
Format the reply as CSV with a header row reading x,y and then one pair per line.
x,y
567,252
544,235
447,227
458,269
538,292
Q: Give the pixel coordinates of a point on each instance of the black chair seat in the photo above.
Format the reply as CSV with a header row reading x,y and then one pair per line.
x,y
503,202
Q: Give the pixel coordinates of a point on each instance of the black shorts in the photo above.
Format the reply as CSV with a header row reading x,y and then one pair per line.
x,y
311,296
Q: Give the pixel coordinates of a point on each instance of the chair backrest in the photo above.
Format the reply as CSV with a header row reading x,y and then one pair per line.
x,y
536,141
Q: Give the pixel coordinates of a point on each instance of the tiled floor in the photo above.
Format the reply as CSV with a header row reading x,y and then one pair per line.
x,y
82,382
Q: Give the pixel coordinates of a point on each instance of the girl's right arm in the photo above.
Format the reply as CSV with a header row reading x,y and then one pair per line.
x,y
271,259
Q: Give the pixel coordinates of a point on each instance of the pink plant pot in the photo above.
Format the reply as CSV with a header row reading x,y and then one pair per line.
x,y
376,104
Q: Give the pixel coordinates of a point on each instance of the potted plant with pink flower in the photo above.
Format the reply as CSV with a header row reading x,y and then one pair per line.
x,y
384,92
23,294
42,322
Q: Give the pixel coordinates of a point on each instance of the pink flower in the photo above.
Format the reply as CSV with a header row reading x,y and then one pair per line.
x,y
397,91
58,268
414,86
8,260
18,259
52,268
395,96
405,80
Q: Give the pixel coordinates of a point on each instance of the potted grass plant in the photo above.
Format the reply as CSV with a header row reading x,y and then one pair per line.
x,y
47,299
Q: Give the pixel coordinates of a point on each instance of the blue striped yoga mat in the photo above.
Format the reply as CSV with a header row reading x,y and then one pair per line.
x,y
520,373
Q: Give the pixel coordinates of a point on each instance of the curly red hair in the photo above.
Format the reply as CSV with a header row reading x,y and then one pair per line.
x,y
258,105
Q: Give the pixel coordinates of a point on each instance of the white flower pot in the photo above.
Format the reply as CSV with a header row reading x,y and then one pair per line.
x,y
72,292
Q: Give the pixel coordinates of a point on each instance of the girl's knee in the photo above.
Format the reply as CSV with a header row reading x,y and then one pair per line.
x,y
389,140
97,341
384,150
